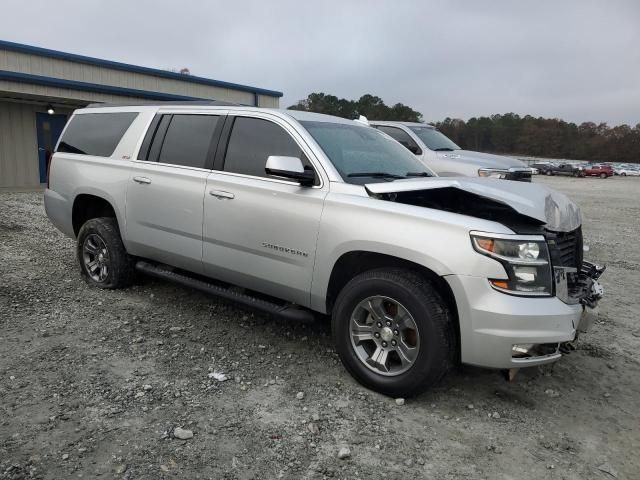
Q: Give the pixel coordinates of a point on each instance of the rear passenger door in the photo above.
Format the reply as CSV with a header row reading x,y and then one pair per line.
x,y
164,207
260,231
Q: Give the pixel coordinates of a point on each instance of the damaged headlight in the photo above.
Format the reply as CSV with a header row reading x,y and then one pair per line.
x,y
526,261
493,173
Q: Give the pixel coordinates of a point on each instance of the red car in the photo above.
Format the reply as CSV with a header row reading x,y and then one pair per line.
x,y
602,171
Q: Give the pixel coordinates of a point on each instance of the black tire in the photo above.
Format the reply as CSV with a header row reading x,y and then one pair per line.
x,y
549,173
603,175
576,174
120,272
623,174
437,351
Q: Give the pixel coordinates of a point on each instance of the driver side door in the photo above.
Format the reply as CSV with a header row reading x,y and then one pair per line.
x,y
260,231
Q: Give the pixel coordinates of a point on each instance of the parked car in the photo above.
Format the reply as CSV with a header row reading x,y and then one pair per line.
x,y
627,171
294,212
564,169
602,171
542,168
446,158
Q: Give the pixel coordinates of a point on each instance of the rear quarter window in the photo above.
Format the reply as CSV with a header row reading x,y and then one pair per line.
x,y
95,133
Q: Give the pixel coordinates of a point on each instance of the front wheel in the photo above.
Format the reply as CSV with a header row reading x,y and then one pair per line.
x,y
603,175
623,174
549,173
104,262
393,331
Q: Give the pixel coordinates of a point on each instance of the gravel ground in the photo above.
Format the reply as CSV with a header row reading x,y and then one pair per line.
x,y
94,383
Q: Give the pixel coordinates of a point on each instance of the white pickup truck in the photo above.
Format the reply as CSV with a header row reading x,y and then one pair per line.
x,y
446,158
294,212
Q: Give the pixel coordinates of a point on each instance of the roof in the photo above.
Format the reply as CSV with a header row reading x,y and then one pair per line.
x,y
406,124
302,116
126,67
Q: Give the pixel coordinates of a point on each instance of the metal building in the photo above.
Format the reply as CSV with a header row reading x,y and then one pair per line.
x,y
39,88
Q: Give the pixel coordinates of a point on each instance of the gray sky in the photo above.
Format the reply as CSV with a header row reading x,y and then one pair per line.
x,y
577,60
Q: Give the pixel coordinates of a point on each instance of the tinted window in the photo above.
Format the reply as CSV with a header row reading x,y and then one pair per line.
x,y
95,133
252,141
187,140
399,135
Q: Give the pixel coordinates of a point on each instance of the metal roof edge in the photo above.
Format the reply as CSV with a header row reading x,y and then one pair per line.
x,y
46,52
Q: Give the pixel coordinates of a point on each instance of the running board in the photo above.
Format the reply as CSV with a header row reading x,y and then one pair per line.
x,y
288,311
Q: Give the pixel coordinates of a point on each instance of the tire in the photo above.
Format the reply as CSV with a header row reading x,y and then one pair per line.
x,y
623,174
434,336
549,173
99,240
576,174
603,175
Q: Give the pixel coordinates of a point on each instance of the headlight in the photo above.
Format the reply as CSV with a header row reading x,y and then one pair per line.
x,y
526,262
493,173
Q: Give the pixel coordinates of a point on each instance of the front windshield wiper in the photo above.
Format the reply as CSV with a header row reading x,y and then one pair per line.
x,y
443,149
418,174
375,175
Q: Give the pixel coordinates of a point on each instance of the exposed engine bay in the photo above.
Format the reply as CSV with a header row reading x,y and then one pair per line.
x,y
452,199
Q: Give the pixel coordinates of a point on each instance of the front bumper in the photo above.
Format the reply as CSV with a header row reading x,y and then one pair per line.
x,y
492,322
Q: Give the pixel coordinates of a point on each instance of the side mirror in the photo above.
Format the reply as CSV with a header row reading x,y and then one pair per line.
x,y
415,149
289,167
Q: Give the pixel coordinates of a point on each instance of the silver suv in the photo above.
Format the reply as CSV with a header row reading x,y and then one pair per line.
x,y
446,158
293,213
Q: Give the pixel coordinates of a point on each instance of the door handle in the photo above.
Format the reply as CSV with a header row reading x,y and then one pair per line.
x,y
221,194
143,180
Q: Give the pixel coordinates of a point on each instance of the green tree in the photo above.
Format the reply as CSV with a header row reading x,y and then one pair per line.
x,y
370,106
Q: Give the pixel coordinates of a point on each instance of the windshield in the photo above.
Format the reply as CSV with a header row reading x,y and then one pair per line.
x,y
361,154
434,140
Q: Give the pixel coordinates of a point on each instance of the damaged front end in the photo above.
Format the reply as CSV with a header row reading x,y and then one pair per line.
x,y
526,209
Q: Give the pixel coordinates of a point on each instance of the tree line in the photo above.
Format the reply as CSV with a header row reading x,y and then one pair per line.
x,y
370,106
509,133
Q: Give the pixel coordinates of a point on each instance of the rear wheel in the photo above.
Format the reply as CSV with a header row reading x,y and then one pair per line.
x,y
104,262
549,173
623,174
393,331
603,175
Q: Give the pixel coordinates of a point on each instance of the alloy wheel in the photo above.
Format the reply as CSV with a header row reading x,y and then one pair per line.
x,y
95,256
384,335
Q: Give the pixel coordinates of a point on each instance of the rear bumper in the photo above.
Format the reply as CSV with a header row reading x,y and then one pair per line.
x,y
491,323
58,210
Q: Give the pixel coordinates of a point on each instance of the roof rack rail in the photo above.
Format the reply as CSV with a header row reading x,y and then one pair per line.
x,y
173,102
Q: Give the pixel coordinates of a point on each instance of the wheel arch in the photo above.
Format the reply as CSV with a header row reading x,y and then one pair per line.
x,y
90,205
352,263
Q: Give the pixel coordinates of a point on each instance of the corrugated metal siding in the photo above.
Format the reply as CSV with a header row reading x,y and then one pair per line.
x,y
19,145
67,70
268,102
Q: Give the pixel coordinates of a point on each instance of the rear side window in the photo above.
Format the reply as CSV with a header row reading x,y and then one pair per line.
x,y
95,133
252,141
188,140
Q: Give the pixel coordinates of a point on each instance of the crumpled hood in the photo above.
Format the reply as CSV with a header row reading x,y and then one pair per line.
x,y
485,160
554,209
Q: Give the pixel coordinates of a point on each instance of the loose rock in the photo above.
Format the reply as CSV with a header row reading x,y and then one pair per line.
x,y
182,434
344,453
